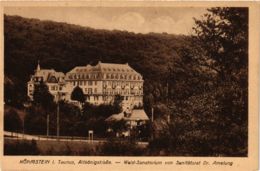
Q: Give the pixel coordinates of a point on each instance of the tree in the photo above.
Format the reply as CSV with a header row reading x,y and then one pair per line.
x,y
12,121
42,96
44,102
78,95
118,103
35,120
223,34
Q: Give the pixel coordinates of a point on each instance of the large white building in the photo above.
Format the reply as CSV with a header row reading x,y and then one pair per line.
x,y
100,83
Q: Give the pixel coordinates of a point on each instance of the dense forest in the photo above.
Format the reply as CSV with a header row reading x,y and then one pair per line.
x,y
196,84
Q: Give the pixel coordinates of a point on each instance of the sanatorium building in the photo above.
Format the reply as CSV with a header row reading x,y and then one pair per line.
x,y
100,83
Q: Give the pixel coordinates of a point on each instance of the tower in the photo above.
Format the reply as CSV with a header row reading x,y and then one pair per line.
x,y
38,66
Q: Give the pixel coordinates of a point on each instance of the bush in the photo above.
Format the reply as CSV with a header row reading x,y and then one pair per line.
x,y
121,148
21,148
12,122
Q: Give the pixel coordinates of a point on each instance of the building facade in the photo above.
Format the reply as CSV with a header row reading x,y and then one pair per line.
x,y
100,83
55,82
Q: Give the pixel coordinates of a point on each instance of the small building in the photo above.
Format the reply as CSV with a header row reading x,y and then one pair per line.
x,y
133,118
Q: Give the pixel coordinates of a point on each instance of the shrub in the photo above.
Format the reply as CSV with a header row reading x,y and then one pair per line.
x,y
21,148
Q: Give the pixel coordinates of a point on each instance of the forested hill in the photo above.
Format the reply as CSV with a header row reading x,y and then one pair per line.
x,y
63,46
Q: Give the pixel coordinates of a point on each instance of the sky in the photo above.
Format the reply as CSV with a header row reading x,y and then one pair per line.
x,y
172,20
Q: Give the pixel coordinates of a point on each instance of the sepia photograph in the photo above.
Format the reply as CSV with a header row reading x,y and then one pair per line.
x,y
126,81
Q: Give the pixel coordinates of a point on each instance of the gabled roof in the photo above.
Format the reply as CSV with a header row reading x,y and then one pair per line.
x,y
135,115
138,114
105,68
55,77
118,68
44,73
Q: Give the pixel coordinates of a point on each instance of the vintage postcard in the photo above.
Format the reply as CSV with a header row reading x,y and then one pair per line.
x,y
129,85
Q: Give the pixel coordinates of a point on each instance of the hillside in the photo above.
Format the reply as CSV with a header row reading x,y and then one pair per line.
x,y
63,46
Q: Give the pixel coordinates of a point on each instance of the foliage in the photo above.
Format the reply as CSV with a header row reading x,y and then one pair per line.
x,y
21,148
35,121
117,126
78,95
12,121
42,96
226,31
12,93
118,103
209,106
102,110
121,148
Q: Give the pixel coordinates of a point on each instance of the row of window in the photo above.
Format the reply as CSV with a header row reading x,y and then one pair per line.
x,y
122,87
83,83
90,90
105,98
55,88
104,76
109,92
97,98
37,79
122,83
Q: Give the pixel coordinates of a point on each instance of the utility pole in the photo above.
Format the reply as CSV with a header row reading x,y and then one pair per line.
x,y
152,136
48,119
167,94
23,120
169,115
26,105
58,114
152,114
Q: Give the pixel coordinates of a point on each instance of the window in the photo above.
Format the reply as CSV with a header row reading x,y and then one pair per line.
x,y
95,90
89,90
90,83
95,82
53,88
